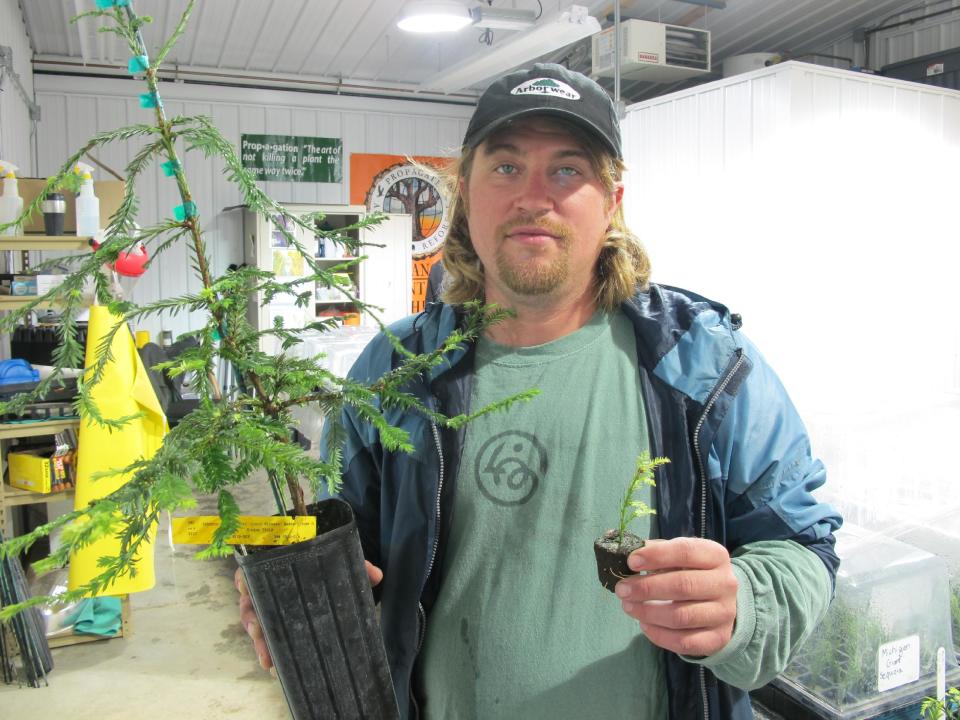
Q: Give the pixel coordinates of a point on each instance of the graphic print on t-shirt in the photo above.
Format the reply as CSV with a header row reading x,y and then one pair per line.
x,y
510,466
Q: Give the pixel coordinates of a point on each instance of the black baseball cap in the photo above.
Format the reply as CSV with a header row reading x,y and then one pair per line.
x,y
546,89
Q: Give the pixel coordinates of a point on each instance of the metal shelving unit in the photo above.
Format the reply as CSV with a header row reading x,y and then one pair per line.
x,y
11,496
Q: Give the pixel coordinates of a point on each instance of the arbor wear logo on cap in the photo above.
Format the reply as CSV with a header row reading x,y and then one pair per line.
x,y
546,86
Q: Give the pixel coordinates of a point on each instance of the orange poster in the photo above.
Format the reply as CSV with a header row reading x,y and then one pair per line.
x,y
401,184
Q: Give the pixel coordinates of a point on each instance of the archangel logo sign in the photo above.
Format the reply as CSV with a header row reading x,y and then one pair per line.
x,y
413,189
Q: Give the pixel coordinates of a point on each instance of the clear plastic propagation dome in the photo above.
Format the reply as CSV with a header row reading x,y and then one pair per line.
x,y
875,652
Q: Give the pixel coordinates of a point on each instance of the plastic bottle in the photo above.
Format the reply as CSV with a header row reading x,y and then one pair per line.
x,y
88,208
11,204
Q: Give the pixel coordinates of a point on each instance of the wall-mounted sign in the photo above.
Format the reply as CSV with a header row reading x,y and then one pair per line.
x,y
292,158
394,184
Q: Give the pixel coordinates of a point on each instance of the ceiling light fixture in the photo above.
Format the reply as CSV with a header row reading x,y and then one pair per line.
x,y
546,36
432,16
502,18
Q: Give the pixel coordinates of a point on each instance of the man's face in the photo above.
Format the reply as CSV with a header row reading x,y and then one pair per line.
x,y
537,213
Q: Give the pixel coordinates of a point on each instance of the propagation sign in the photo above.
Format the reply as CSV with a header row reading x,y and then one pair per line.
x,y
292,158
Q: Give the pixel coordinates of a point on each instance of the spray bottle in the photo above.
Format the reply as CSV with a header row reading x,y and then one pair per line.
x,y
11,204
88,205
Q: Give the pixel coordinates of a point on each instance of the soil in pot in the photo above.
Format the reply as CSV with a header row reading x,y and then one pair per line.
x,y
612,556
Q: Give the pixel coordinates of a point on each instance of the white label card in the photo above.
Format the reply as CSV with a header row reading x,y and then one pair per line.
x,y
898,663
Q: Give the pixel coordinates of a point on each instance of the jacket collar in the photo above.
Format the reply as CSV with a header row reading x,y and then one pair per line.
x,y
661,315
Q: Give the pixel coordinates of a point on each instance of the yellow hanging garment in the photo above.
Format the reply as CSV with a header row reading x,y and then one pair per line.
x,y
124,390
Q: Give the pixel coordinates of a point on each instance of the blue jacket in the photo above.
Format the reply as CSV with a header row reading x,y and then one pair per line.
x,y
741,468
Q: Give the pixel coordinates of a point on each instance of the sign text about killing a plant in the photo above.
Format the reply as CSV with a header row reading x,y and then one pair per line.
x,y
293,158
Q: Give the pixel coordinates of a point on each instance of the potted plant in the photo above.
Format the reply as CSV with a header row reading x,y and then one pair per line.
x,y
229,436
614,546
946,709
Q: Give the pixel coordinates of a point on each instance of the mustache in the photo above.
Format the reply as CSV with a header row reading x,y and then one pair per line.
x,y
559,229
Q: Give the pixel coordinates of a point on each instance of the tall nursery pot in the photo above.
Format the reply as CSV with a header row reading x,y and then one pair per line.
x,y
316,610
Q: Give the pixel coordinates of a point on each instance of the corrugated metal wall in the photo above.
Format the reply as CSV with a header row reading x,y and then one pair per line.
x,y
905,42
816,203
74,109
14,117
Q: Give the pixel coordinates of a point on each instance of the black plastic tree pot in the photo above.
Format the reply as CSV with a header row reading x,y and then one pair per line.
x,y
612,557
316,610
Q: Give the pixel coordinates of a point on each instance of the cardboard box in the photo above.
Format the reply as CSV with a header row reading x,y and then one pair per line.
x,y
46,283
24,285
30,285
31,469
109,192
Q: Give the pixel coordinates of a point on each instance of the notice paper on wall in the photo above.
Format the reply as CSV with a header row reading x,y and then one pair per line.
x,y
253,530
898,663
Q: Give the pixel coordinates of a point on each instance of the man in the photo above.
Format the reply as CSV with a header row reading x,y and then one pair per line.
x,y
479,542
435,283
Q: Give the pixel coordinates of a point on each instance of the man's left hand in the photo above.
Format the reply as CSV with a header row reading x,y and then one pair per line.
x,y
686,601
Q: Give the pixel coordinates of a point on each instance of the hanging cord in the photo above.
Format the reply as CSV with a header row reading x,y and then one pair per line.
x,y
6,68
486,37
105,167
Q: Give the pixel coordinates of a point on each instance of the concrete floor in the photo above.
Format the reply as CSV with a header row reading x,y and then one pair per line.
x,y
186,656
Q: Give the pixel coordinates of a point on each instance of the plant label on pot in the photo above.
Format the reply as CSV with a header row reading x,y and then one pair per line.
x,y
253,530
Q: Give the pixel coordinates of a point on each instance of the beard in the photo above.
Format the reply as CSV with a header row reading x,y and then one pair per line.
x,y
534,275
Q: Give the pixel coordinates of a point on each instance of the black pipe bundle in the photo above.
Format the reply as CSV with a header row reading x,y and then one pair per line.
x,y
28,628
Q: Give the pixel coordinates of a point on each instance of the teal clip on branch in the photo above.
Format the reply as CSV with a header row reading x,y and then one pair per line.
x,y
187,210
138,64
170,167
150,100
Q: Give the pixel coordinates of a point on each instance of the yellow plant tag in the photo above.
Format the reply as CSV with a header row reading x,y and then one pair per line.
x,y
253,530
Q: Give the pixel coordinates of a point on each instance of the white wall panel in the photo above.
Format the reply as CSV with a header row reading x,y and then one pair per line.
x,y
76,108
15,125
817,206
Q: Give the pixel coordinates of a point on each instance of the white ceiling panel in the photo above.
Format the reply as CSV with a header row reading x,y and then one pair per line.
x,y
355,46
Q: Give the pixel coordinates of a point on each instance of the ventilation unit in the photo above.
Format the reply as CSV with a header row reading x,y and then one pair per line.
x,y
653,52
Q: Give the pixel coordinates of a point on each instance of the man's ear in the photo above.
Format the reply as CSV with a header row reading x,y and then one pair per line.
x,y
616,198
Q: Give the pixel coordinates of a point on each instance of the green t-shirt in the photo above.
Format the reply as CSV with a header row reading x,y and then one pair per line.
x,y
522,627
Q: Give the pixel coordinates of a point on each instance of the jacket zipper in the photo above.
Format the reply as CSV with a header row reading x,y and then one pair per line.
x,y
421,613
703,495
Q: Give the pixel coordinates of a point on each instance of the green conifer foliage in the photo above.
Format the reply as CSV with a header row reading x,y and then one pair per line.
x,y
231,436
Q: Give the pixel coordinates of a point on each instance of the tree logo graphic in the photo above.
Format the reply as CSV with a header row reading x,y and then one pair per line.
x,y
414,190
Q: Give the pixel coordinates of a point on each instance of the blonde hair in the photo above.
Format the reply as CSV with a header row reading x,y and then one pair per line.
x,y
623,265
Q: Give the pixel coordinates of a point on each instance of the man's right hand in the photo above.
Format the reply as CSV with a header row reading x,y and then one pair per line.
x,y
248,618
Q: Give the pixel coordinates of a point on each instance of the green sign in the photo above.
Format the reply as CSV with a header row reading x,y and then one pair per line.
x,y
292,158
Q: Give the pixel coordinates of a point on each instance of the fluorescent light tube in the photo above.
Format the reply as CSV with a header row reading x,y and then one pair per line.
x,y
544,37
